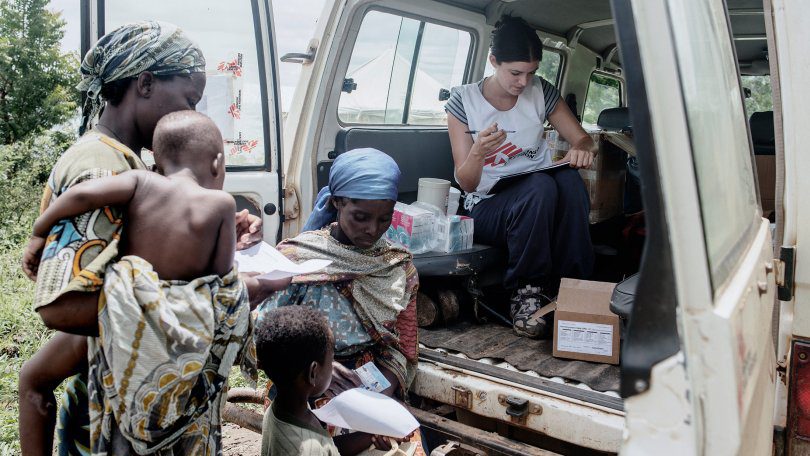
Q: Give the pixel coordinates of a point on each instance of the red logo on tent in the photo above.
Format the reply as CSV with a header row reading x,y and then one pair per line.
x,y
234,111
234,66
502,155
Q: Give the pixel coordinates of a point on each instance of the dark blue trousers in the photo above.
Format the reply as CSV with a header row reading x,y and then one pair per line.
x,y
542,221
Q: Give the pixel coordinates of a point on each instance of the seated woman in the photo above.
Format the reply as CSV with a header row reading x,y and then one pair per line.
x,y
496,130
368,293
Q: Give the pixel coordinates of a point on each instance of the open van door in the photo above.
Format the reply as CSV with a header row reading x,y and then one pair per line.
x,y
241,92
714,392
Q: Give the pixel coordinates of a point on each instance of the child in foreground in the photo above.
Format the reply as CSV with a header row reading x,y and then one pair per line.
x,y
295,347
296,351
173,317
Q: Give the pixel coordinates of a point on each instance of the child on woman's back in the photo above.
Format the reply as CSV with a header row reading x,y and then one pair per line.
x,y
172,316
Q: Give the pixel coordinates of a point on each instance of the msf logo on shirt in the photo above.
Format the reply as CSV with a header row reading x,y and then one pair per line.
x,y
506,152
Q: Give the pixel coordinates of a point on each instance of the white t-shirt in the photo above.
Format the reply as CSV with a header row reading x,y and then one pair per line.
x,y
523,150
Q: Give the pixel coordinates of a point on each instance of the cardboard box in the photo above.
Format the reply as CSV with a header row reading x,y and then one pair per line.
x,y
412,228
584,327
454,233
766,175
604,180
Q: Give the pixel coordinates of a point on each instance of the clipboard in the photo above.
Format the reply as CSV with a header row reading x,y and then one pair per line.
x,y
511,179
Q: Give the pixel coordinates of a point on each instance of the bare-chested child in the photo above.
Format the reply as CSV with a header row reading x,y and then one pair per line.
x,y
155,312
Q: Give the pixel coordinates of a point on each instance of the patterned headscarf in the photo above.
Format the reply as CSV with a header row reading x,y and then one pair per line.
x,y
158,47
366,174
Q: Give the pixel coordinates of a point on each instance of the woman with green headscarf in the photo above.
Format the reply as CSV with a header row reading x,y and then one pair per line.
x,y
133,76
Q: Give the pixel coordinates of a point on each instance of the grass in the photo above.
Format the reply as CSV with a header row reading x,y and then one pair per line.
x,y
21,335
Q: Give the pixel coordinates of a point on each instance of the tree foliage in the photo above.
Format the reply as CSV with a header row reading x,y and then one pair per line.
x,y
24,169
603,92
761,98
37,80
37,93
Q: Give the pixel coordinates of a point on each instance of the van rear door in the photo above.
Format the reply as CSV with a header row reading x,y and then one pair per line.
x,y
721,248
241,90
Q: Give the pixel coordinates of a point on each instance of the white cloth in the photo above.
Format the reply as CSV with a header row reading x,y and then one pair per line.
x,y
523,150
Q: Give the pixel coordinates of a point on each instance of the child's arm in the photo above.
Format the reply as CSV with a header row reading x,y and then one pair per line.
x,y
86,196
226,240
58,359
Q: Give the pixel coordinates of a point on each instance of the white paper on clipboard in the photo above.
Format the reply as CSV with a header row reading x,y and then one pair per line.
x,y
272,264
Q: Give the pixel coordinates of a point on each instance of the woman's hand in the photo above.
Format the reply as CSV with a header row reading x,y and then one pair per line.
x,y
260,289
579,158
469,155
248,229
383,443
32,255
583,149
488,140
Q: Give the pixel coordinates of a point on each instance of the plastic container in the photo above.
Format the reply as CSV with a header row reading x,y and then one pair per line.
x,y
453,201
559,147
434,191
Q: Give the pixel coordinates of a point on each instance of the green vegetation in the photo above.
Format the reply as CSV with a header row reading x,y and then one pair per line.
x,y
36,79
549,68
21,335
761,98
36,94
603,92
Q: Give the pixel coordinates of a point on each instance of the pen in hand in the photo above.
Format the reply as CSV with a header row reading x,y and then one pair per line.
x,y
475,132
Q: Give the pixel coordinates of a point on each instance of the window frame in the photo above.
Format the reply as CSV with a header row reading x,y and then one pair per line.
x,y
606,75
471,52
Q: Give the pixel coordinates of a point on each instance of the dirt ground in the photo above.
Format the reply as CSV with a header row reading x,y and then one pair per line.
x,y
237,441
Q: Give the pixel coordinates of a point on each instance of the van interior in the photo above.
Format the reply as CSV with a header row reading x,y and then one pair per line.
x,y
391,99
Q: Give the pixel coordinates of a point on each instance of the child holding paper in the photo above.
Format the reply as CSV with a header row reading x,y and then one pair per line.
x,y
295,347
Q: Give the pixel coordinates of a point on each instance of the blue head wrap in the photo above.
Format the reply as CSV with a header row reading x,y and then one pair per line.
x,y
360,174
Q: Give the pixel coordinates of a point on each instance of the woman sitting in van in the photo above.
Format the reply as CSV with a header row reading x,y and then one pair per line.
x,y
368,292
496,130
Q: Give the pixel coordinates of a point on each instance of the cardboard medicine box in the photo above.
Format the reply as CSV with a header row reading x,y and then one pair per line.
x,y
584,327
412,227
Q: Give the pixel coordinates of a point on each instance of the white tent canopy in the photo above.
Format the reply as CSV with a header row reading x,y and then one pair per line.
x,y
381,89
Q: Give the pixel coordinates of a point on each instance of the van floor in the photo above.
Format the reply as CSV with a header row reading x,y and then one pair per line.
x,y
488,340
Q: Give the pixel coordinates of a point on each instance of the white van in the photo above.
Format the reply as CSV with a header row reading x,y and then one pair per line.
x,y
715,357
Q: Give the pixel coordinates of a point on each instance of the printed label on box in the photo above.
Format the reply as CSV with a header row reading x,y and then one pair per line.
x,y
590,338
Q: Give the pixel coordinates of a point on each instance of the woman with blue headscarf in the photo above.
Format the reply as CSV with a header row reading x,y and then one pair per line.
x,y
368,293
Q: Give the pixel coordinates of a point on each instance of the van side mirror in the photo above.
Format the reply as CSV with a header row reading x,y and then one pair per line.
x,y
746,92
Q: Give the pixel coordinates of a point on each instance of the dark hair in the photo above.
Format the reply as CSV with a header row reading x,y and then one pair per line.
x,y
113,92
288,339
514,40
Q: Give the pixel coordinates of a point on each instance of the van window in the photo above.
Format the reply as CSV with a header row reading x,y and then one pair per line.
x,y
550,65
761,98
232,97
399,66
604,92
717,127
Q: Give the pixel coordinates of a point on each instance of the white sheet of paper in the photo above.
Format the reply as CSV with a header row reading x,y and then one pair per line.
x,y
366,411
272,264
